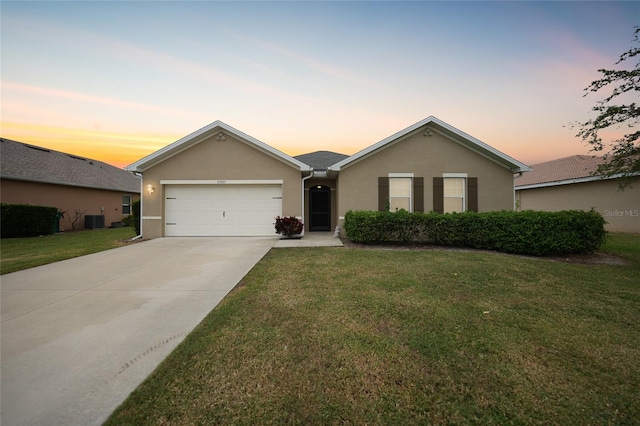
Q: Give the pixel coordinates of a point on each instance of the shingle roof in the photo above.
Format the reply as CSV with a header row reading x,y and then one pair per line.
x,y
320,160
560,170
32,163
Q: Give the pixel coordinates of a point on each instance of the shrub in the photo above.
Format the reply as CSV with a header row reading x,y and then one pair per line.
x,y
135,215
20,220
288,226
75,219
530,232
128,221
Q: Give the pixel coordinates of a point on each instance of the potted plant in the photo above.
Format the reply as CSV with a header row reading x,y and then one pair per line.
x,y
289,227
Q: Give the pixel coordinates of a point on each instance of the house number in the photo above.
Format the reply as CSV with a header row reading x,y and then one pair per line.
x,y
222,182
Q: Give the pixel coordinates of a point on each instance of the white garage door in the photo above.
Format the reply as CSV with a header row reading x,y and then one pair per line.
x,y
222,210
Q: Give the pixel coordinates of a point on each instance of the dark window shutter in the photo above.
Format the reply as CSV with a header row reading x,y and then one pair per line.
x,y
418,195
383,193
472,194
438,195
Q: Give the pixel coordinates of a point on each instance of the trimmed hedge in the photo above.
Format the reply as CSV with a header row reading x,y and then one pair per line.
x,y
529,232
21,220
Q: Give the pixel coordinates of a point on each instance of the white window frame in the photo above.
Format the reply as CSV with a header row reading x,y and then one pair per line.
x,y
127,205
402,176
463,176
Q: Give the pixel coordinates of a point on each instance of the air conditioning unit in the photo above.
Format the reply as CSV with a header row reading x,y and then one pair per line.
x,y
93,221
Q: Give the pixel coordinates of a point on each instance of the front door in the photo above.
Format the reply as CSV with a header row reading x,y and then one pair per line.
x,y
319,208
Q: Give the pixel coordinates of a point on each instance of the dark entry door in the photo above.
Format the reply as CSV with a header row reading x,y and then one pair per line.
x,y
320,208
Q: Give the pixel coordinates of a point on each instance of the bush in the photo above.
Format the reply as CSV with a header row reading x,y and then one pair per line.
x,y
530,232
20,220
128,221
288,226
135,215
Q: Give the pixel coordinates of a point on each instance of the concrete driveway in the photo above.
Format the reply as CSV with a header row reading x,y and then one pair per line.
x,y
78,336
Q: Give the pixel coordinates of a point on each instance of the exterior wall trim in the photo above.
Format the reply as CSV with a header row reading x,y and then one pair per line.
x,y
223,182
570,181
401,175
564,182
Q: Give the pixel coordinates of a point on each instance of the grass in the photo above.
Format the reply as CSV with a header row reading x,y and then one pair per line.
x,y
365,336
22,253
624,245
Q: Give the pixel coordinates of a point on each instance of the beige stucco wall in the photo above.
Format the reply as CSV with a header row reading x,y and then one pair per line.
x,y
621,209
216,160
67,199
427,157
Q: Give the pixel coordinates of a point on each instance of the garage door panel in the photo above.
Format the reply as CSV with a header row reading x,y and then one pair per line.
x,y
221,210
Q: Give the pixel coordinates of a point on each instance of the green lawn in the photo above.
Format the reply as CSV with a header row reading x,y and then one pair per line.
x,y
23,253
365,336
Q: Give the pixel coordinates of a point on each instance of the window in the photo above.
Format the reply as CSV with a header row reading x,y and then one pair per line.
x,y
454,194
126,204
400,193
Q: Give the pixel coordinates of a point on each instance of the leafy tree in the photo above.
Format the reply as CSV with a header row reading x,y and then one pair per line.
x,y
624,157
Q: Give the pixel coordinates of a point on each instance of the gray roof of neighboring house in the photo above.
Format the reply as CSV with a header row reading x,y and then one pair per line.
x,y
561,171
321,160
22,161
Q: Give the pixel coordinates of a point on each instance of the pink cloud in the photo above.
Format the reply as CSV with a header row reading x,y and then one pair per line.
x,y
132,53
323,68
84,97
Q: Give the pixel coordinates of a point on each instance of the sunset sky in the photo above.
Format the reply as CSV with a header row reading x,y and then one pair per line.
x,y
115,81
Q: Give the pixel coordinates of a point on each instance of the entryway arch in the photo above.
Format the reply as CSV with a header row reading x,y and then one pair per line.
x,y
319,208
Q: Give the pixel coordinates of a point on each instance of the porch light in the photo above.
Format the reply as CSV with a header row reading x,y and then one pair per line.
x,y
150,189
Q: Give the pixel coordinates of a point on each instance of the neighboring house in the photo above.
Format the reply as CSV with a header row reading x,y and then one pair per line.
x,y
77,186
568,184
220,181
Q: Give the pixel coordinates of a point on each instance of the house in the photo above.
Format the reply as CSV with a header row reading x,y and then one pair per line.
x,y
220,181
569,184
85,189
320,191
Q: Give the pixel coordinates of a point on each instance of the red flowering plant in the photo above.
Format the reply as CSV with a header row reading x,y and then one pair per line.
x,y
288,226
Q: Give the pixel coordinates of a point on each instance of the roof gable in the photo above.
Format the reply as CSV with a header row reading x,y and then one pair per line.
x,y
433,124
26,162
215,129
